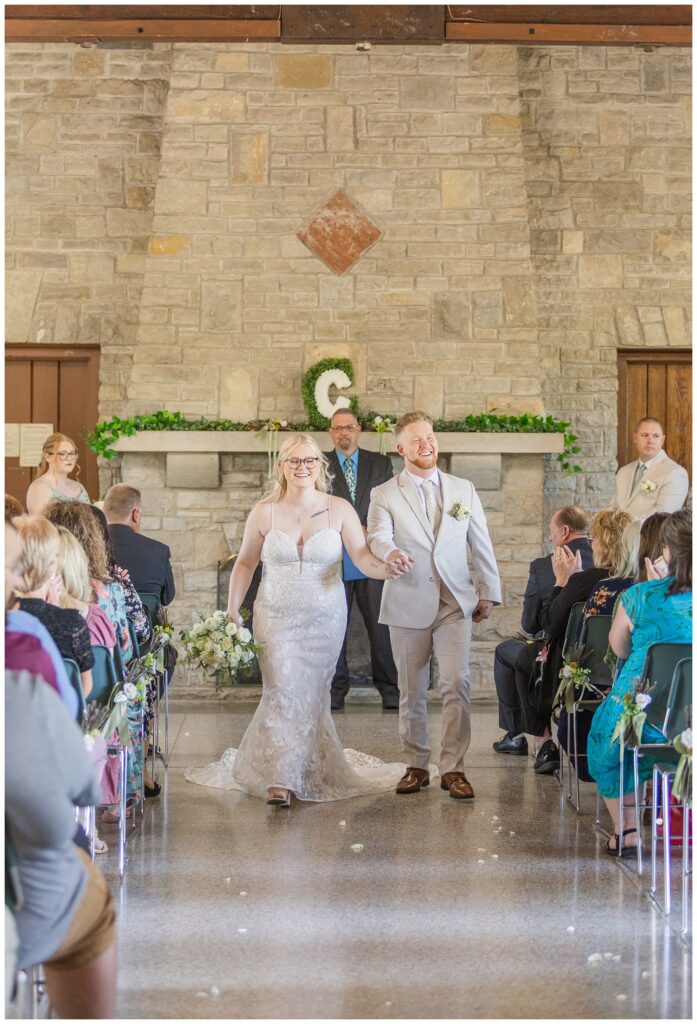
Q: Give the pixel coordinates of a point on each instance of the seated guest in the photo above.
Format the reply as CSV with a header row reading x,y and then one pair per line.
x,y
657,611
605,593
28,644
58,461
650,543
77,590
12,507
147,560
573,584
134,606
568,526
38,594
66,919
84,526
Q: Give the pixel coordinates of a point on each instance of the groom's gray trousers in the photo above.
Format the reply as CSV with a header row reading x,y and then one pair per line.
x,y
448,637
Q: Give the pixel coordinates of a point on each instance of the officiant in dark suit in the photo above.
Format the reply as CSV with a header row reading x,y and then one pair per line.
x,y
356,472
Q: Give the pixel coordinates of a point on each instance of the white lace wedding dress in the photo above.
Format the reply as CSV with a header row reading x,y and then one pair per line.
x,y
300,618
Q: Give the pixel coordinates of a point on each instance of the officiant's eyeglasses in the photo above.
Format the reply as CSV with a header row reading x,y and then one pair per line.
x,y
64,456
311,461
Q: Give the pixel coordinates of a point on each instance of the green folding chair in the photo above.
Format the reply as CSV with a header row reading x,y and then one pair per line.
x,y
659,666
75,678
104,679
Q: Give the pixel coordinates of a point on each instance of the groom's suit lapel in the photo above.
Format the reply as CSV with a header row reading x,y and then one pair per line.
x,y
411,495
446,498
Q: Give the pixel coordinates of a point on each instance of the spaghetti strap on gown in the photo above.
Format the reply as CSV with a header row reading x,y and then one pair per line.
x,y
300,619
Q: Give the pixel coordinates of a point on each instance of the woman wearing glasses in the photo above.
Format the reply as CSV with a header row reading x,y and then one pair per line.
x,y
58,461
298,531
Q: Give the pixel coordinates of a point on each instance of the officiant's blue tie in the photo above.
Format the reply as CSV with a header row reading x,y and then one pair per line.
x,y
350,474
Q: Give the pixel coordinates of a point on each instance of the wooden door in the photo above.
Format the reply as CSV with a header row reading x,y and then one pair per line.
x,y
655,382
58,385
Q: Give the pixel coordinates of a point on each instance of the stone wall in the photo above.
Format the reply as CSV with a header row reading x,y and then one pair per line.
x,y
533,205
607,142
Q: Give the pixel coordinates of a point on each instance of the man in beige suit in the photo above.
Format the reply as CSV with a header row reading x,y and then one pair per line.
x,y
653,483
428,518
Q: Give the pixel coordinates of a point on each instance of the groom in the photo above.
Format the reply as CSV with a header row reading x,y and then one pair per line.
x,y
428,517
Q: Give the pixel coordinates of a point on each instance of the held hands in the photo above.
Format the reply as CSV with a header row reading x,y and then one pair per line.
x,y
398,562
565,563
482,611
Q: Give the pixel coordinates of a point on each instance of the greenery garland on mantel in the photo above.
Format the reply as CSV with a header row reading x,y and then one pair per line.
x,y
107,433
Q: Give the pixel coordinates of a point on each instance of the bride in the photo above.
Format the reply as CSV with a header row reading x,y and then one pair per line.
x,y
291,745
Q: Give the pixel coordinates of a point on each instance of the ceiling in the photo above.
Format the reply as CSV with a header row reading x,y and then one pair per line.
x,y
616,24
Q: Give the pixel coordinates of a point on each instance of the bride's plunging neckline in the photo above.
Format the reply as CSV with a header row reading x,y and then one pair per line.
x,y
303,543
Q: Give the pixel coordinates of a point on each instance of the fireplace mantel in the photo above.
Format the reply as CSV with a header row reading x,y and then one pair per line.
x,y
204,441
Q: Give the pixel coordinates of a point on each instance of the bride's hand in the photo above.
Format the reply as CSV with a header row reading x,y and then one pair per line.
x,y
234,617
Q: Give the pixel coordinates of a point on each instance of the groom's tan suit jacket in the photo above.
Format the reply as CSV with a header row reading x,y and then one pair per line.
x,y
397,519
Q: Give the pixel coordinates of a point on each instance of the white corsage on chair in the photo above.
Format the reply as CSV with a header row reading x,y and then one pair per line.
x,y
460,511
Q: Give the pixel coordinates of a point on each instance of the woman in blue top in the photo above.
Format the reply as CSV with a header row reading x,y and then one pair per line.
x,y
658,611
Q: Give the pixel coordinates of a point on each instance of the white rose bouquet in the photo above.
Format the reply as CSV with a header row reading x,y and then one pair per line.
x,y
219,646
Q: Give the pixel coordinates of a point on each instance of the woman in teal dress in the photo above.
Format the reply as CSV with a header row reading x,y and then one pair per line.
x,y
658,611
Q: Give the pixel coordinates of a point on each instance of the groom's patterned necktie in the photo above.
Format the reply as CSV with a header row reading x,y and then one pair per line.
x,y
638,477
350,474
432,506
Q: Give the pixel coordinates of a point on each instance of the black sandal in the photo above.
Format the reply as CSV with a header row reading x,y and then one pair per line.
x,y
627,851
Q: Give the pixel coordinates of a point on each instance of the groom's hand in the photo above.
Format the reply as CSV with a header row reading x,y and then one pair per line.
x,y
482,611
398,562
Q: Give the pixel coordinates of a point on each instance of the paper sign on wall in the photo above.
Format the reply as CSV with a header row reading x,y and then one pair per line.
x,y
32,437
11,440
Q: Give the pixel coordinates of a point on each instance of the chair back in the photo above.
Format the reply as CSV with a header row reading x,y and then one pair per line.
x,y
572,625
134,638
659,666
75,677
679,709
152,604
596,631
104,677
117,658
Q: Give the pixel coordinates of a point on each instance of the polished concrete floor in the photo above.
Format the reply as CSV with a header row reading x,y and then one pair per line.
x,y
489,909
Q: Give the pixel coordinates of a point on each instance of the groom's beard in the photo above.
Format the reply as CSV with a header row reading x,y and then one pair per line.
x,y
423,461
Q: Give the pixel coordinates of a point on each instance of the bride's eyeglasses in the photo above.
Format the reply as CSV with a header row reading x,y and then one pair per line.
x,y
64,456
310,462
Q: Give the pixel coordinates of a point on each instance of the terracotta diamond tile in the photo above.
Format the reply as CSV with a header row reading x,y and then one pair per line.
x,y
339,233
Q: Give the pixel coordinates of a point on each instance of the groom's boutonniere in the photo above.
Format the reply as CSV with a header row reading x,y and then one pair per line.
x,y
648,486
460,511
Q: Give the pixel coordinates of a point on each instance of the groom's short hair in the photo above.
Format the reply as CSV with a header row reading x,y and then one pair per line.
x,y
417,416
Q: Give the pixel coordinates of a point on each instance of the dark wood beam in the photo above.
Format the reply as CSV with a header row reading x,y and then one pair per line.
x,y
588,34
356,23
578,14
45,30
186,12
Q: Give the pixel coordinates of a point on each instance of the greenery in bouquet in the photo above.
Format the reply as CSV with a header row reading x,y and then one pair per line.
x,y
574,679
218,646
630,724
682,784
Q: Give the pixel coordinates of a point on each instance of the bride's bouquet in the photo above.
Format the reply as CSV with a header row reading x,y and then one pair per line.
x,y
220,647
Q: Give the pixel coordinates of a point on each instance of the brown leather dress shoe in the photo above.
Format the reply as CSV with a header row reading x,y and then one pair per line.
x,y
457,785
413,780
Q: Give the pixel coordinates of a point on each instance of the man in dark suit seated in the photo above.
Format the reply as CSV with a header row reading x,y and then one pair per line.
x,y
147,560
356,472
568,525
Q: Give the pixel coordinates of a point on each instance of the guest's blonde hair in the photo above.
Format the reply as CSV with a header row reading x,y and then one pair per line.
x,y
75,570
628,561
39,543
49,448
607,527
278,488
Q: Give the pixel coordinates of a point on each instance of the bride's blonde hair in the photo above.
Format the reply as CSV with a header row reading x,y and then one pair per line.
x,y
278,488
